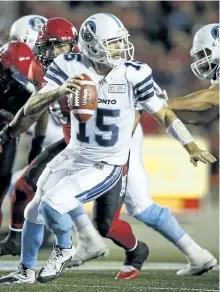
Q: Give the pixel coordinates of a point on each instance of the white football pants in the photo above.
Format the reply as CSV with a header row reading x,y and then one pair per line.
x,y
138,196
68,181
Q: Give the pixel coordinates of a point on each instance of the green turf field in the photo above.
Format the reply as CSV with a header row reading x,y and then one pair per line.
x,y
96,281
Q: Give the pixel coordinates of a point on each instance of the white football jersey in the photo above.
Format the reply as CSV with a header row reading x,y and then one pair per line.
x,y
106,136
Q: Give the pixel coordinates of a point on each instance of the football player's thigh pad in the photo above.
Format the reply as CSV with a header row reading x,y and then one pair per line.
x,y
84,185
55,170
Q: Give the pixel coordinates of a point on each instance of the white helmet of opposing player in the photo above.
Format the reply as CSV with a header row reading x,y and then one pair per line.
x,y
206,51
26,29
104,39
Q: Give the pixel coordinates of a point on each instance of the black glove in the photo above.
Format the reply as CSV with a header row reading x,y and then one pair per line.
x,y
5,115
36,148
5,136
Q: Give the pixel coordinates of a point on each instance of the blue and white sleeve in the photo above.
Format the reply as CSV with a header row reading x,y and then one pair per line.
x,y
143,88
56,73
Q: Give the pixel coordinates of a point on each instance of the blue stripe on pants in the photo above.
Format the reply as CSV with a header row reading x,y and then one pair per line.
x,y
102,187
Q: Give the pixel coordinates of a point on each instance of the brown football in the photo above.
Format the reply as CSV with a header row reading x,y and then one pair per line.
x,y
85,102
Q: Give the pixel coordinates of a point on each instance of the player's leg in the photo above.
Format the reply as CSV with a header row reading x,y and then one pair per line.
x,y
22,195
7,158
62,202
140,205
32,238
24,192
32,235
90,243
85,231
106,218
138,198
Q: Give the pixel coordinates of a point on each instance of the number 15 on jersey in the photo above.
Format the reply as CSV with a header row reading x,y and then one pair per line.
x,y
102,126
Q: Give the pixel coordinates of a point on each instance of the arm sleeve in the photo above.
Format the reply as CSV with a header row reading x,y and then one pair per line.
x,y
57,72
143,88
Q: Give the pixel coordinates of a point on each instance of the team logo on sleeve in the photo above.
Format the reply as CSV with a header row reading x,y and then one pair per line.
x,y
85,33
36,23
117,88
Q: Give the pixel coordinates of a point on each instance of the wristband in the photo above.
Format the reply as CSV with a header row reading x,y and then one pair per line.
x,y
179,132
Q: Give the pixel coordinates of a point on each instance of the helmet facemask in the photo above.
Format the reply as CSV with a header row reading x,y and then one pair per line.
x,y
46,51
110,52
206,63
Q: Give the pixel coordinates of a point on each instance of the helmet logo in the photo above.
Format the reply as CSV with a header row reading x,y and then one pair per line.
x,y
215,32
36,23
85,33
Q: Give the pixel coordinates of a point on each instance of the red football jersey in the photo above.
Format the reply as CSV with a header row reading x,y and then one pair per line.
x,y
36,73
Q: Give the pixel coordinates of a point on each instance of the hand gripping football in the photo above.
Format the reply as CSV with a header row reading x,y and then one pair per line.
x,y
84,104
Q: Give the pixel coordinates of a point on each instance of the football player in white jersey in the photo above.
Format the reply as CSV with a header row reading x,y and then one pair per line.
x,y
201,107
92,161
57,29
90,237
26,29
138,199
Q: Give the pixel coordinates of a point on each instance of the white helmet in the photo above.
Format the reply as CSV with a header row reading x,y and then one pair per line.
x,y
206,51
96,35
26,29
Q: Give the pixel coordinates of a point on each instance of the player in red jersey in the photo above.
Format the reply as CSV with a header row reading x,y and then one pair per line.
x,y
15,89
14,92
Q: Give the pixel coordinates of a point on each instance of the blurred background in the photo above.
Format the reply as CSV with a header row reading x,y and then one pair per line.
x,y
162,33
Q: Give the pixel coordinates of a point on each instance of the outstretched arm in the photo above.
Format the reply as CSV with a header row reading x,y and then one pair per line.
x,y
198,101
198,118
178,131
